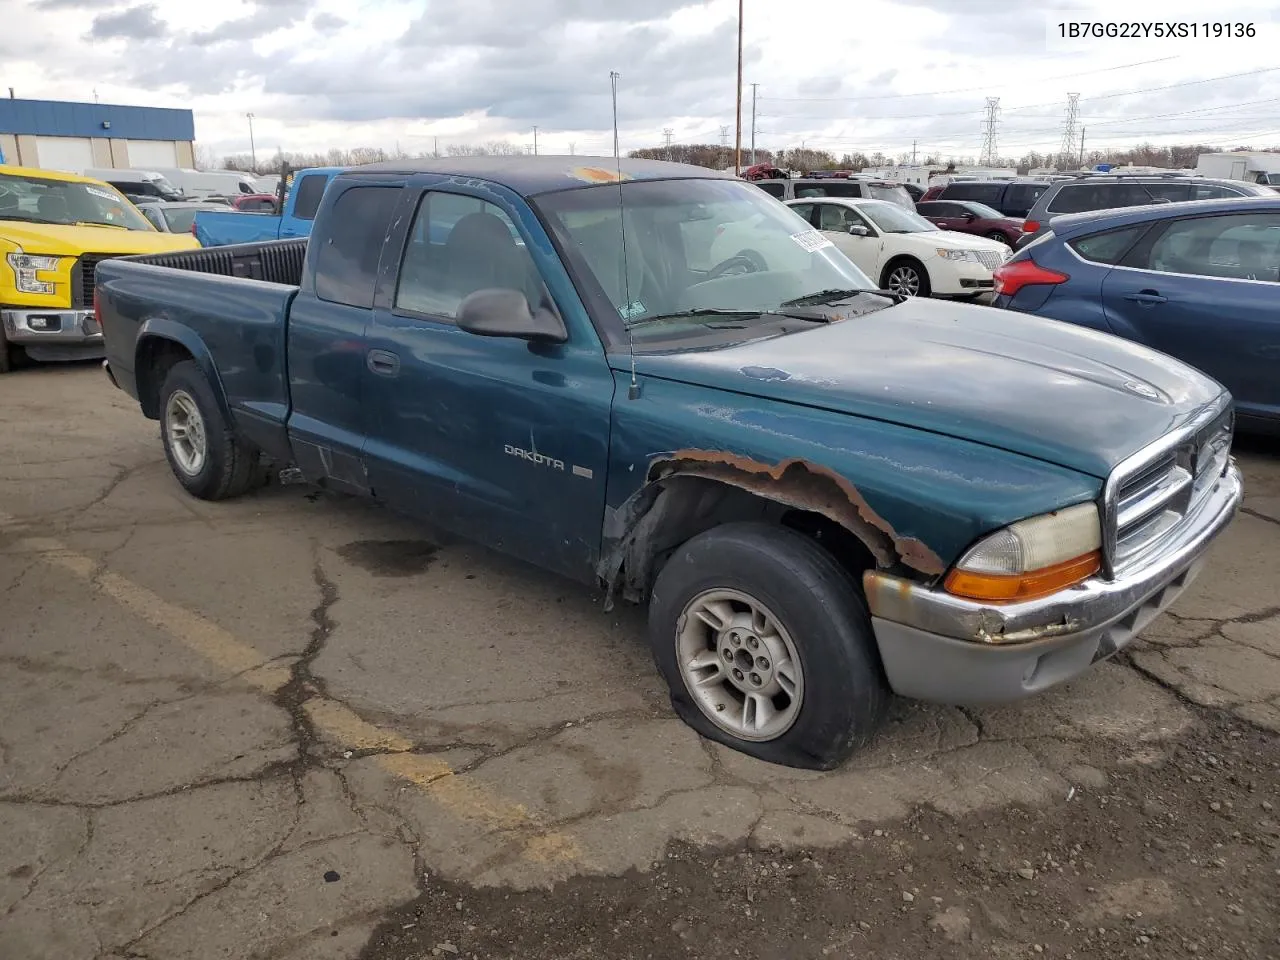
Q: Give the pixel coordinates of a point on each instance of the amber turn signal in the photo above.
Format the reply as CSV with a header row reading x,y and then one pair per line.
x,y
1004,588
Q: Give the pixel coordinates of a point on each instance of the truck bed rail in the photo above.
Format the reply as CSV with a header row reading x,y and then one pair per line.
x,y
275,261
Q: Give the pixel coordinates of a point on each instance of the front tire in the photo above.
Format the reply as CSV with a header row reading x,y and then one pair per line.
x,y
204,451
766,646
907,277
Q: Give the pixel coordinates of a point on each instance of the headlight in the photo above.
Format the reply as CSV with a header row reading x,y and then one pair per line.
x,y
1031,558
25,266
946,254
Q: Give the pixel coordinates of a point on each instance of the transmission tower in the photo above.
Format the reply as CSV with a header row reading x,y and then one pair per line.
x,y
667,134
988,157
725,132
1070,133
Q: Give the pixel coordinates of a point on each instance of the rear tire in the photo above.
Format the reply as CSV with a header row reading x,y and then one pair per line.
x,y
1000,237
771,605
204,451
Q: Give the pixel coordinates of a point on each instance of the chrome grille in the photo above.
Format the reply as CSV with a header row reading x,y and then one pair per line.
x,y
82,279
1150,498
991,258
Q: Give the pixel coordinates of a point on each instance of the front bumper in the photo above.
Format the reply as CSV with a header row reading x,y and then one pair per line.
x,y
61,326
958,277
947,649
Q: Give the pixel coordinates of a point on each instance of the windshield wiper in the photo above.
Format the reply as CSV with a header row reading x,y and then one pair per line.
x,y
99,223
830,296
805,315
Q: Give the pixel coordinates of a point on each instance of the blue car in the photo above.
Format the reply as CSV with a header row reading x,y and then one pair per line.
x,y
1198,280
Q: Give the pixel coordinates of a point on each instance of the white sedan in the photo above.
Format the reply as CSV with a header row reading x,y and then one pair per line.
x,y
902,251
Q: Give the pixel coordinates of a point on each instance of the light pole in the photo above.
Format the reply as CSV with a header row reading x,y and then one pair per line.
x,y
737,152
253,151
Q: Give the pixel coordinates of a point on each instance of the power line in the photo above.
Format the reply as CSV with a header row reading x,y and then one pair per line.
x,y
989,131
941,93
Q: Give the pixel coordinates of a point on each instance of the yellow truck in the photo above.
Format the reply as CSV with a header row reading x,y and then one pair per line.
x,y
54,229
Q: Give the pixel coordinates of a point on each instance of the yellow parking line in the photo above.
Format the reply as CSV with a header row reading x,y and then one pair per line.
x,y
465,799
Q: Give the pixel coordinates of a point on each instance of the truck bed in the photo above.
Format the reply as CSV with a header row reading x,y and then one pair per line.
x,y
236,298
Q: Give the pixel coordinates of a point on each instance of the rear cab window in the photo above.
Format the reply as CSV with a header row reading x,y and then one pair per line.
x,y
309,191
347,265
778,190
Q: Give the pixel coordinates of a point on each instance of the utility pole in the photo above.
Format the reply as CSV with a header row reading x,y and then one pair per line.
x,y
253,150
571,146
535,141
737,151
988,156
613,83
1081,147
435,146
913,153
667,134
754,87
1068,146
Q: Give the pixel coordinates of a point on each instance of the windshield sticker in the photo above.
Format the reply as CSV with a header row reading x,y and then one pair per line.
x,y
597,175
811,241
104,194
632,309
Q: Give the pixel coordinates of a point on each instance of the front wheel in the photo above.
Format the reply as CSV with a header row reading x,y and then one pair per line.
x,y
766,646
204,451
907,277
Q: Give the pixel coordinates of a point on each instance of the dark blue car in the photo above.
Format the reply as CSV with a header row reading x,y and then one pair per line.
x,y
1197,280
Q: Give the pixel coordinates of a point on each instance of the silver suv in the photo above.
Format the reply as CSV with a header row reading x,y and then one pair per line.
x,y
1087,193
867,188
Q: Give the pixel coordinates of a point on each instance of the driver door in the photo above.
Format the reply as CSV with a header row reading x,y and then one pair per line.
x,y
834,220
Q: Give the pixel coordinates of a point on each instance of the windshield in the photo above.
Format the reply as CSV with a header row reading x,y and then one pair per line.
x,y
892,193
41,200
695,245
982,211
893,219
166,189
180,219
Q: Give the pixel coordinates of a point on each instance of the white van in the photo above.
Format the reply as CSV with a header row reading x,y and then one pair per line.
x,y
136,183
197,184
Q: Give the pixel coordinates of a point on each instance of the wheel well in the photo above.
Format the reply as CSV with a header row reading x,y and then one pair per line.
x,y
156,357
682,507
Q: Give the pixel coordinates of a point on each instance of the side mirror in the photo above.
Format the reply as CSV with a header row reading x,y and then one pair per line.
x,y
858,230
505,313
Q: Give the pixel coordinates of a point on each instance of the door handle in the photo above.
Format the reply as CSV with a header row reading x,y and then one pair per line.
x,y
383,362
1147,298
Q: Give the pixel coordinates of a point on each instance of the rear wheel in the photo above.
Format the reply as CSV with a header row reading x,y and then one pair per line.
x,y
999,237
204,451
767,647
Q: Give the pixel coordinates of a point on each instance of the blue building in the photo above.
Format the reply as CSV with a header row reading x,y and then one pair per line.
x,y
60,135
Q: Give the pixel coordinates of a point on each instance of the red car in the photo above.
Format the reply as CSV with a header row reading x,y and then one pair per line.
x,y
969,216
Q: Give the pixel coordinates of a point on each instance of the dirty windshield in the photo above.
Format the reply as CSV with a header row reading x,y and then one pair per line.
x,y
65,202
698,252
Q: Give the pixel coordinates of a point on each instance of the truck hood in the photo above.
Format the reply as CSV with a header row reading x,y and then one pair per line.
x,y
1063,394
67,241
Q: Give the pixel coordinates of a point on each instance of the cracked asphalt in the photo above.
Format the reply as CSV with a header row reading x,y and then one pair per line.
x,y
297,726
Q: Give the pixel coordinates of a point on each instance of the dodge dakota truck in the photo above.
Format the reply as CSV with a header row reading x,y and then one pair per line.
x,y
302,199
826,494
54,227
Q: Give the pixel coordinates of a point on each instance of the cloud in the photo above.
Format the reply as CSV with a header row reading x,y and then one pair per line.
x,y
75,4
327,22
135,23
267,17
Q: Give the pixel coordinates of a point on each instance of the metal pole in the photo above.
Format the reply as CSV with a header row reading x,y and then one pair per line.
x,y
753,123
613,84
535,141
1082,148
737,153
253,150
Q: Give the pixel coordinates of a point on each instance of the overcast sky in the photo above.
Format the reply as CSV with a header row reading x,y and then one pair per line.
x,y
836,74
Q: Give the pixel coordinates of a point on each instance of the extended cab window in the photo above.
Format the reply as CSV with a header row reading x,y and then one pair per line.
x,y
310,189
458,245
1108,247
774,189
347,266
